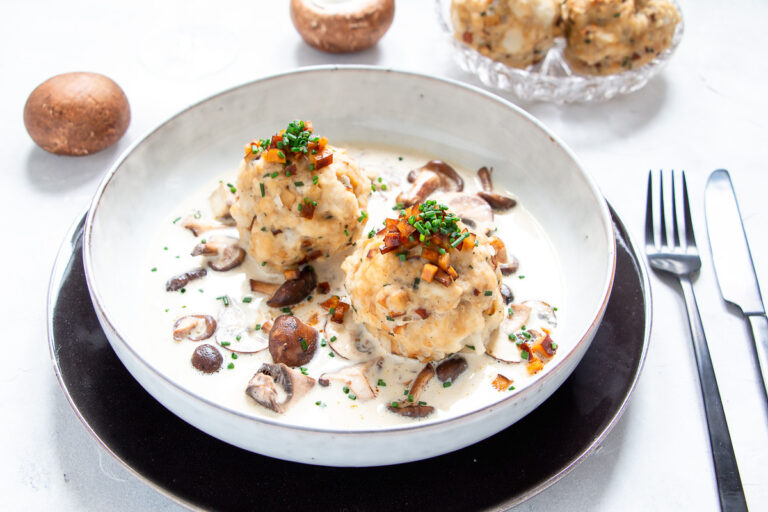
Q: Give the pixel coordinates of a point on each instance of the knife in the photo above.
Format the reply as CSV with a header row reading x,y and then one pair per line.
x,y
733,261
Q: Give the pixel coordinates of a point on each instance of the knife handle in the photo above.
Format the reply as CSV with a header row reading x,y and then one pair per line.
x,y
727,475
759,324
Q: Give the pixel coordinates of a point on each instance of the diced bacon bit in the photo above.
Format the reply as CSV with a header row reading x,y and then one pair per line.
x,y
534,365
291,274
266,326
443,278
392,241
469,242
392,314
444,261
290,169
475,292
313,318
423,313
398,328
338,307
428,272
307,209
306,243
273,155
467,37
324,287
452,272
543,347
322,158
430,254
501,383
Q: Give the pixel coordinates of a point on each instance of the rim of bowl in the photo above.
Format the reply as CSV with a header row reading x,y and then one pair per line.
x,y
536,124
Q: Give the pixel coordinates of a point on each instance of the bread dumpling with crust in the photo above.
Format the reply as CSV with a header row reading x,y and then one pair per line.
x,y
517,33
296,206
611,36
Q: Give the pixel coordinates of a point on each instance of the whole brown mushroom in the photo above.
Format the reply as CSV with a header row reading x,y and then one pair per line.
x,y
342,27
291,341
77,113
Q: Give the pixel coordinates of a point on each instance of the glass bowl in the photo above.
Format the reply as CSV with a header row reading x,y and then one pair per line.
x,y
552,79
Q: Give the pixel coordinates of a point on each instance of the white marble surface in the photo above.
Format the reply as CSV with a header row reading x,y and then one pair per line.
x,y
707,110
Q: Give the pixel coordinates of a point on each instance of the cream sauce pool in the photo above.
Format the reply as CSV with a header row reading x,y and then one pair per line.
x,y
539,278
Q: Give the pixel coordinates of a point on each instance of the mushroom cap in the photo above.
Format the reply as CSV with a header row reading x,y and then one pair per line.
x,y
291,341
342,28
263,386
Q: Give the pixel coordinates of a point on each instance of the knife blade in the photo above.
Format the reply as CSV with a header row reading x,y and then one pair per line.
x,y
732,258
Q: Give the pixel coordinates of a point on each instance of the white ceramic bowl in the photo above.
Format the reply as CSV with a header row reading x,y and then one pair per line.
x,y
462,124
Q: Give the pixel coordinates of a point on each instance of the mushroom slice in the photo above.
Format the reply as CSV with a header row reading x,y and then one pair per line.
x,y
497,201
421,381
294,291
411,411
506,293
543,311
179,281
275,385
501,347
354,378
472,210
432,176
511,266
221,199
235,333
485,179
265,288
198,226
228,254
348,341
450,369
194,327
424,184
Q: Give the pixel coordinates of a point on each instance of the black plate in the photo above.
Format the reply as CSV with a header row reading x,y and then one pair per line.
x,y
198,470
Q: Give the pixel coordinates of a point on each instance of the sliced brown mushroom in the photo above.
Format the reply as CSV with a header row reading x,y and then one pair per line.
x,y
501,346
543,311
179,281
294,291
485,179
421,381
496,201
511,266
207,358
194,327
291,341
432,176
197,225
275,385
354,377
348,340
506,294
221,199
450,369
411,407
411,411
226,251
265,288
235,332
473,211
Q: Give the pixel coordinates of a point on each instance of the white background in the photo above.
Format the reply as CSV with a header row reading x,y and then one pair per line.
x,y
707,110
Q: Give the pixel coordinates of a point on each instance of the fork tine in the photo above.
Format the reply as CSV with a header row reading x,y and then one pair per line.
x,y
675,226
649,238
690,240
662,218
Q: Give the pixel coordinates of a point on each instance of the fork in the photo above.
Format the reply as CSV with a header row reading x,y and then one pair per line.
x,y
682,260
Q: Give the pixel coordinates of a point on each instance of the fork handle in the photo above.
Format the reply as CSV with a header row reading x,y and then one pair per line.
x,y
759,324
726,471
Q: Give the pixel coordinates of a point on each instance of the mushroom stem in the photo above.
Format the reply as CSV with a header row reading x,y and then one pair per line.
x,y
485,179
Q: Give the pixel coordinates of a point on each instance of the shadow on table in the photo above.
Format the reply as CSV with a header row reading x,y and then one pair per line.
x,y
308,56
49,173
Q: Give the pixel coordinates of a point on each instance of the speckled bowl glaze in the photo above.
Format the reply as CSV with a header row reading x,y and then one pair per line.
x,y
460,123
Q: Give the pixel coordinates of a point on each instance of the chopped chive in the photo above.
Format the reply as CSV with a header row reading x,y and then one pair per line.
x,y
247,300
381,383
298,183
372,233
234,356
446,384
257,327
422,402
153,269
273,175
225,343
488,293
303,344
511,388
345,389
394,405
331,354
471,347
524,355
286,310
333,338
231,366
261,187
177,219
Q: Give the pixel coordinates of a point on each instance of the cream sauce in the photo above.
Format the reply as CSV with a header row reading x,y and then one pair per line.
x,y
539,278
